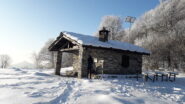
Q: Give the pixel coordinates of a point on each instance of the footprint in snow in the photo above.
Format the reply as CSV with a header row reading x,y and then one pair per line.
x,y
35,94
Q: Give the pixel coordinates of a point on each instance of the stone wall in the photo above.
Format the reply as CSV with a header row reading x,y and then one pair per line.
x,y
77,61
112,61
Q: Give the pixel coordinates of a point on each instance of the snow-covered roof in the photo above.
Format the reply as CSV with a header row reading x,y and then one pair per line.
x,y
88,40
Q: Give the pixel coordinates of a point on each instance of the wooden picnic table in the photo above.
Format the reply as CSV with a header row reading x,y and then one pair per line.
x,y
172,74
162,75
154,76
149,75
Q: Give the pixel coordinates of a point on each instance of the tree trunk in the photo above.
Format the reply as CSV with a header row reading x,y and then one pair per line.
x,y
169,62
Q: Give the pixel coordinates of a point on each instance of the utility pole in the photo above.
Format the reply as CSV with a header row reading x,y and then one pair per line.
x,y
130,20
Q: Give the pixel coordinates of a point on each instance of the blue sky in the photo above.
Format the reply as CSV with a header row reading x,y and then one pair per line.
x,y
25,25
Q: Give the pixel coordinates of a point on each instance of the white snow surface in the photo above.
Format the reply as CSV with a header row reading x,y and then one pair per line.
x,y
31,86
64,70
94,41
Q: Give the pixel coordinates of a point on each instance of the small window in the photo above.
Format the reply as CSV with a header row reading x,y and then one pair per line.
x,y
125,61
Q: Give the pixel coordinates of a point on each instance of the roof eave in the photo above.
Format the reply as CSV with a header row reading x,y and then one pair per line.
x,y
110,48
55,42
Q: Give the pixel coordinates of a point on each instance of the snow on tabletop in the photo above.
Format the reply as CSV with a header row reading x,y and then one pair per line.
x,y
34,86
174,73
161,72
94,41
149,72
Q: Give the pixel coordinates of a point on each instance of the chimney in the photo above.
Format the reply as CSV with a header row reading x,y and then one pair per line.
x,y
103,35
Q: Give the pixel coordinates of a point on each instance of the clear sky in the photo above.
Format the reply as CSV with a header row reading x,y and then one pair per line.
x,y
25,25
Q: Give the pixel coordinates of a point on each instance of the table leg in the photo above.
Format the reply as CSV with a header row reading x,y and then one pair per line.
x,y
167,77
157,77
145,78
174,77
154,78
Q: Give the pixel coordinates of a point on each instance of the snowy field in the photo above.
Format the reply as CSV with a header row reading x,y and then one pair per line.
x,y
21,86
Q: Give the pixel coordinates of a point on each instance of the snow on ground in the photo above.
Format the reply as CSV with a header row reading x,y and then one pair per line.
x,y
23,86
64,70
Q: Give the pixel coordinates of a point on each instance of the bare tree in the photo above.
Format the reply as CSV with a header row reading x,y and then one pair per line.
x,y
5,61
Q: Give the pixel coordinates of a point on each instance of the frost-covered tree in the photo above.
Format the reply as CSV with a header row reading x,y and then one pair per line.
x,y
161,30
44,58
5,61
36,60
47,59
114,25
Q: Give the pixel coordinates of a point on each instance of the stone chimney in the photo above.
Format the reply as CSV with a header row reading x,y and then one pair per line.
x,y
103,35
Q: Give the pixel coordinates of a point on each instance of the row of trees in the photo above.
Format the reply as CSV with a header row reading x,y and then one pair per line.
x,y
160,30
